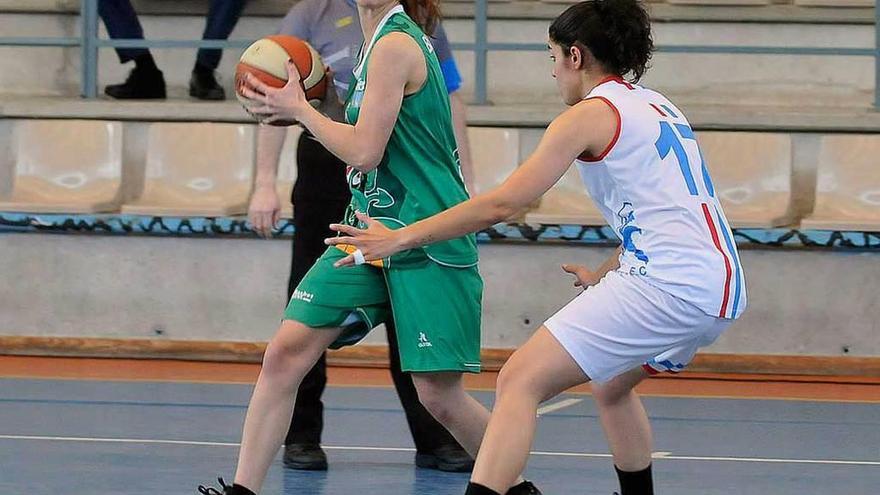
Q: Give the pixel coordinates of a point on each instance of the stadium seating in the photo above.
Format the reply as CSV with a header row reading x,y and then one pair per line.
x,y
848,185
495,155
752,176
566,203
719,2
196,170
835,3
65,166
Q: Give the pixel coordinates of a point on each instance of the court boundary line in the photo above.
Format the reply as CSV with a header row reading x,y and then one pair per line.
x,y
470,389
657,455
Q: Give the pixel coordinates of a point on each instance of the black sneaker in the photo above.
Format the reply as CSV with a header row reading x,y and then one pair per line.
x,y
204,86
141,84
524,488
305,457
227,489
449,458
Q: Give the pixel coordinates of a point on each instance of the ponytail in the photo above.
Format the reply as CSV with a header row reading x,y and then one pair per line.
x,y
426,13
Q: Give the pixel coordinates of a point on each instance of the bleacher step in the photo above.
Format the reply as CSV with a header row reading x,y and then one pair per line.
x,y
707,117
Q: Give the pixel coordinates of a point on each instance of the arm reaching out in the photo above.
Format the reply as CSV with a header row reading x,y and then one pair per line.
x,y
565,140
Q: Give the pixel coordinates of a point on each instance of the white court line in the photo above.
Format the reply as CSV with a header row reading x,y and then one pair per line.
x,y
549,408
657,455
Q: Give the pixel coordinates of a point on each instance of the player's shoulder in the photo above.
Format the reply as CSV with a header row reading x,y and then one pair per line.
x,y
592,109
397,45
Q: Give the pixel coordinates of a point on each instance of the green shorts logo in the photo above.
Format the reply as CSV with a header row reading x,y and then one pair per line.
x,y
303,295
423,340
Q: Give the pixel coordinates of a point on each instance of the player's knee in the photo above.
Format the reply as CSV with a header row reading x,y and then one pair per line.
x,y
288,355
436,397
609,395
515,381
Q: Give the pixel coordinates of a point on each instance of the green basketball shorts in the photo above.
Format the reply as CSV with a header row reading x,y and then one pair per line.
x,y
436,309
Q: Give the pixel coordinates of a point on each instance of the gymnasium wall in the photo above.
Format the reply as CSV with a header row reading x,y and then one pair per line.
x,y
813,303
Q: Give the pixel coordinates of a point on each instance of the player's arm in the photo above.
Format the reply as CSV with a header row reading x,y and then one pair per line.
x,y
265,207
588,126
459,126
395,64
452,79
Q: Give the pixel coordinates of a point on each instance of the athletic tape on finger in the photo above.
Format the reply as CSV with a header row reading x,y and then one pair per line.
x,y
349,249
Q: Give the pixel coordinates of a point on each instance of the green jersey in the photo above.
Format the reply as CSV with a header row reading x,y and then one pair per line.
x,y
420,174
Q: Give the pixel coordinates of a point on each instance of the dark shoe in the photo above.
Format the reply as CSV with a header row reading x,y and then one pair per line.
x,y
305,457
524,488
449,458
141,84
227,489
204,86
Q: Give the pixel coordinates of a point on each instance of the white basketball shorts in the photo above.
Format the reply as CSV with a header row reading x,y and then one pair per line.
x,y
624,322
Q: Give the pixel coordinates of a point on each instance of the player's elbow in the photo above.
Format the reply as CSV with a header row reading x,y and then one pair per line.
x,y
366,160
500,209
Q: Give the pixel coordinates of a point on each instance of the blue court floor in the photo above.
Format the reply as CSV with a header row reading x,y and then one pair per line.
x,y
102,437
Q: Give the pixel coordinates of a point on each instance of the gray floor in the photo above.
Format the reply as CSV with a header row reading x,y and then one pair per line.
x,y
96,437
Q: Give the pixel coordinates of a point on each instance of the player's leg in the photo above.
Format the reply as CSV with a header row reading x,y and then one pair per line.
x,y
537,371
329,308
444,396
290,355
438,338
628,431
436,448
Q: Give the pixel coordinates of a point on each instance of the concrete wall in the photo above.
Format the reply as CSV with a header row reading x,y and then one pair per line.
x,y
746,79
801,302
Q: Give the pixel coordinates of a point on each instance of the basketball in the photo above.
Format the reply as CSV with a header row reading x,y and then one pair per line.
x,y
267,60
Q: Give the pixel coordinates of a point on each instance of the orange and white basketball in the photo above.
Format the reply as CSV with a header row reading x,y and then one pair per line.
x,y
267,60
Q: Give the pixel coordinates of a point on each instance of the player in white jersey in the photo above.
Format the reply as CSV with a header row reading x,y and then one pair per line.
x,y
674,284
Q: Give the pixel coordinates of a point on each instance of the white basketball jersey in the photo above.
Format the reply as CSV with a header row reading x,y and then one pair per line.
x,y
653,188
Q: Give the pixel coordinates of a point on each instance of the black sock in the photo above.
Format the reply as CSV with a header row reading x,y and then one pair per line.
x,y
240,490
635,482
478,489
145,62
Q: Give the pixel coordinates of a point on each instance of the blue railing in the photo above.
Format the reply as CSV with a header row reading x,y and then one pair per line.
x,y
90,43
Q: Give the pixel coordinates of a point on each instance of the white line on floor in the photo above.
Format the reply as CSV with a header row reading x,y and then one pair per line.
x,y
657,455
555,406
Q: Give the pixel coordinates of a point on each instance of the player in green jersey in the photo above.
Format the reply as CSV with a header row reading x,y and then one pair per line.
x,y
399,144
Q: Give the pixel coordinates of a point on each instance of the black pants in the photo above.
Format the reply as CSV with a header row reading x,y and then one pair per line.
x,y
315,208
122,23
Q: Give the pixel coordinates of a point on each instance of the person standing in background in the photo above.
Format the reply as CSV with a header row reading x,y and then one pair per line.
x,y
146,81
320,197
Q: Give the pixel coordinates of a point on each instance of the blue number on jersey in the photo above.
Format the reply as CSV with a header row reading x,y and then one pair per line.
x,y
669,141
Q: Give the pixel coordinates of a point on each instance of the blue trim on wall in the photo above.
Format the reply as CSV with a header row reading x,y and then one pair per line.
x,y
238,227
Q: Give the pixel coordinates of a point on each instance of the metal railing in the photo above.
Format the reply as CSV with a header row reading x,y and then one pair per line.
x,y
90,43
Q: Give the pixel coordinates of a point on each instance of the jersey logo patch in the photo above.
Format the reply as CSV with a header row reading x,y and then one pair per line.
x,y
628,230
428,45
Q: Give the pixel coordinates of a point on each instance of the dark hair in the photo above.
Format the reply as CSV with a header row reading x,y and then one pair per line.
x,y
426,13
617,33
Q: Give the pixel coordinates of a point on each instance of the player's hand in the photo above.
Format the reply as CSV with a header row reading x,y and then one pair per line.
x,y
585,277
376,242
264,210
275,104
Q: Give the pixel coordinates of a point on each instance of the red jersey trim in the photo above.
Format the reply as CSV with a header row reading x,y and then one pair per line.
x,y
711,224
616,79
586,157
